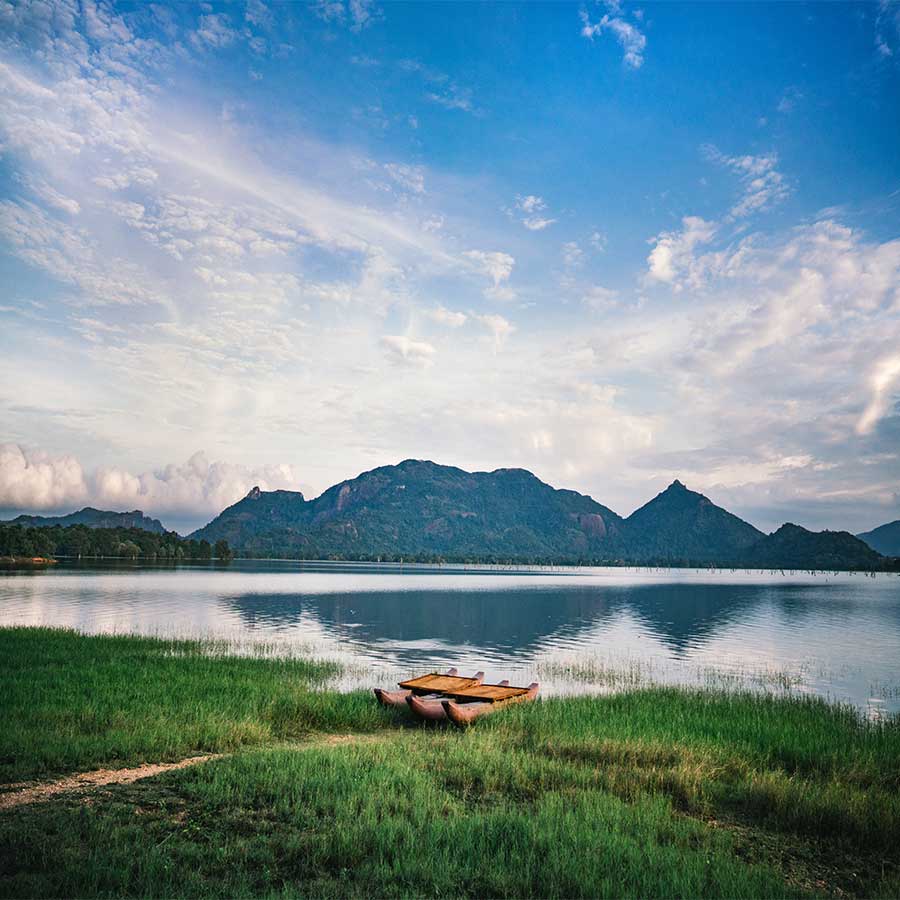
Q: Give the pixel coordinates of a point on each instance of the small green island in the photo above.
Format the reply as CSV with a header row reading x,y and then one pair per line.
x,y
305,791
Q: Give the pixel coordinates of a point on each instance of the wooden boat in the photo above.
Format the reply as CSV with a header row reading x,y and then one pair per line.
x,y
432,707
469,704
426,684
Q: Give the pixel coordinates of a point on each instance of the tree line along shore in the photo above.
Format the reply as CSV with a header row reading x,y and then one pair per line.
x,y
42,544
650,792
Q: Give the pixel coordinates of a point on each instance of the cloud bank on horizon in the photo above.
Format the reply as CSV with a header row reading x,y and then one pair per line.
x,y
302,241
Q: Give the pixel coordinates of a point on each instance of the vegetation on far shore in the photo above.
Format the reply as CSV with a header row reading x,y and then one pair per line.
x,y
654,792
22,542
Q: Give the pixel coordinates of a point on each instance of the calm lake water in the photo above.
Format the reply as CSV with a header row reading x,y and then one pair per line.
x,y
574,630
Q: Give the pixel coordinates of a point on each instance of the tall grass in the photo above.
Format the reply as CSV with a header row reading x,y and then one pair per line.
x,y
655,792
72,701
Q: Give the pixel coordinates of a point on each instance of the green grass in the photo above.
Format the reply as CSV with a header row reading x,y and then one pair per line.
x,y
73,702
650,793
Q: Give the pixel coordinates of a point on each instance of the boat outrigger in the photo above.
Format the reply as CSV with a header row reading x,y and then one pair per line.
x,y
476,705
461,700
432,707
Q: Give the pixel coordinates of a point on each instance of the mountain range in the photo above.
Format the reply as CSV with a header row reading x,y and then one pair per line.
x,y
94,518
421,510
885,539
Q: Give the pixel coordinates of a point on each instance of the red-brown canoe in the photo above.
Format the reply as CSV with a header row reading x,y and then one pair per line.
x,y
465,713
431,707
398,698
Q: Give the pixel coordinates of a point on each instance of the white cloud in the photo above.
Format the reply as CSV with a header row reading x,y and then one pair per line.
x,y
257,13
532,208
884,379
411,178
53,197
405,351
789,99
497,265
447,317
600,298
35,480
887,28
499,327
632,41
572,254
193,488
672,259
214,30
598,241
442,89
763,185
357,15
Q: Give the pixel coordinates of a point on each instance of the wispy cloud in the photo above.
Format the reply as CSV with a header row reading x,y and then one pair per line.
x,y
441,88
357,15
631,39
403,350
531,210
763,185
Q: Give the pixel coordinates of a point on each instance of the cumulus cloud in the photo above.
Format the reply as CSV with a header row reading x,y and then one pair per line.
x,y
672,259
195,487
498,267
631,39
32,479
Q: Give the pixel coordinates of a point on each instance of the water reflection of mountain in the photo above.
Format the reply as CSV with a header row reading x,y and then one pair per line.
x,y
511,620
521,620
686,616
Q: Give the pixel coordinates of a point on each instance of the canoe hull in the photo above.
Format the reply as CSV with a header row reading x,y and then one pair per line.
x,y
464,714
396,699
430,710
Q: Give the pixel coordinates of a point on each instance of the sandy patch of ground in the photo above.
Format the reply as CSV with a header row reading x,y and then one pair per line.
x,y
29,792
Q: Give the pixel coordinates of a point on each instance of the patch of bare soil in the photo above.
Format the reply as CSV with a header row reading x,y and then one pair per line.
x,y
30,792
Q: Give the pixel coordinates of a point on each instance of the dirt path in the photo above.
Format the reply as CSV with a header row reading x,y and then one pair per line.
x,y
29,792
12,795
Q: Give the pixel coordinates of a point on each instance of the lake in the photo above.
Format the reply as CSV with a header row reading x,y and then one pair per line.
x,y
574,630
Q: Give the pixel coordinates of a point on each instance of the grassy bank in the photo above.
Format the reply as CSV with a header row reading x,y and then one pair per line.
x,y
655,792
73,702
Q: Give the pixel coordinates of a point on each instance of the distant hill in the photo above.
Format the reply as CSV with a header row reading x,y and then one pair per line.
x,y
94,518
684,526
885,539
422,509
793,547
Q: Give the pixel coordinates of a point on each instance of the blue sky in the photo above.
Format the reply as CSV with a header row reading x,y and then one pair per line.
x,y
612,243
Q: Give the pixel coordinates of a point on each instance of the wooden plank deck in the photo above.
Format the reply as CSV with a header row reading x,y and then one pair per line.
x,y
438,684
492,693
